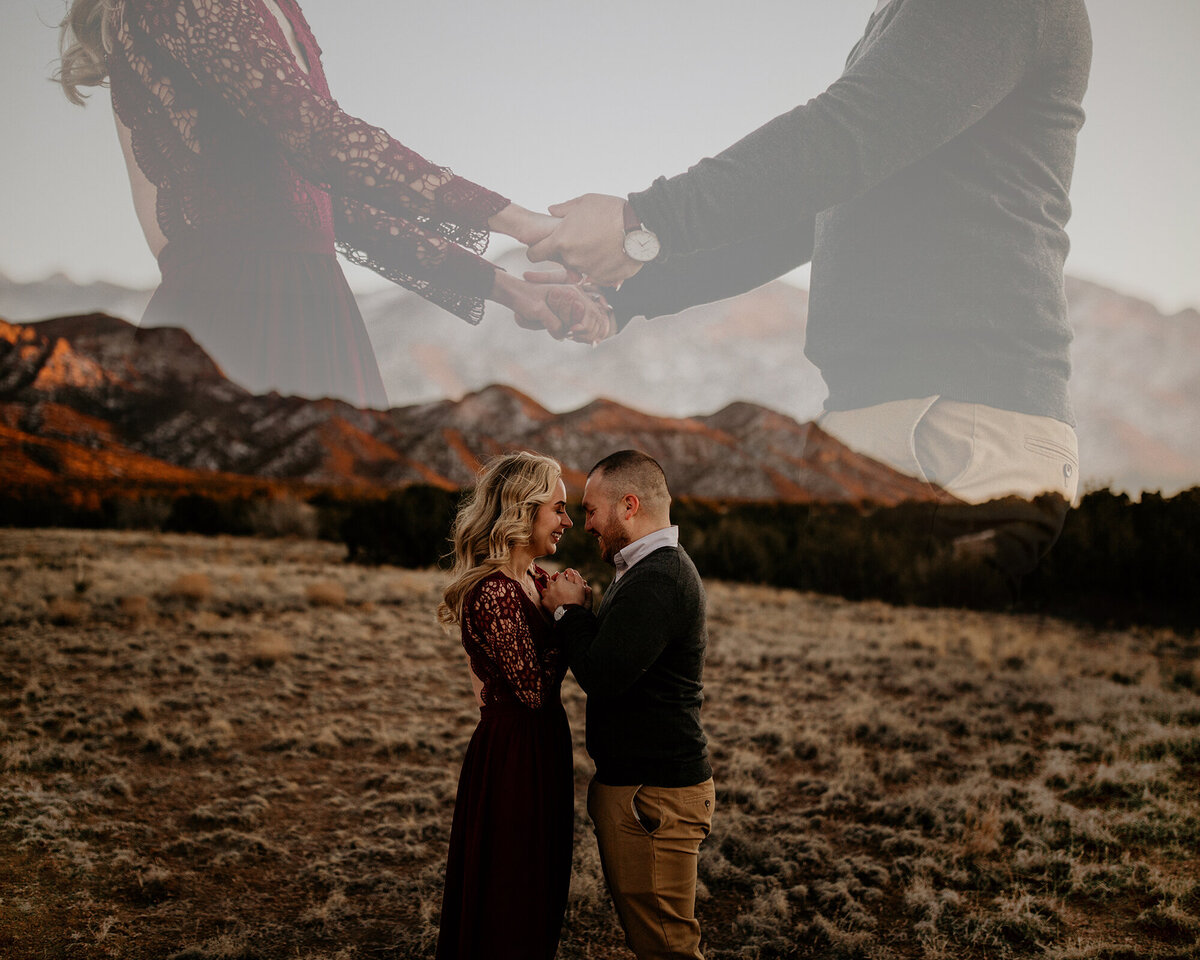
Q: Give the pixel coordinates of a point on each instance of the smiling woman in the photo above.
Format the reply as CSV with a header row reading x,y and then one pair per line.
x,y
509,863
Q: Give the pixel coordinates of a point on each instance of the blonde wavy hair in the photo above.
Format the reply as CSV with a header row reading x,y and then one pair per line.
x,y
496,516
84,39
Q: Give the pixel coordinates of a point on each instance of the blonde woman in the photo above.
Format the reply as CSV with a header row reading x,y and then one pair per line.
x,y
246,174
509,864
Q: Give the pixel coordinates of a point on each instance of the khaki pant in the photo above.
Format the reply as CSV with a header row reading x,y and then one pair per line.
x,y
971,450
649,840
978,454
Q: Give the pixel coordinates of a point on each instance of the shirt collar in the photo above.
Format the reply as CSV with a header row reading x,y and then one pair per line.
x,y
630,554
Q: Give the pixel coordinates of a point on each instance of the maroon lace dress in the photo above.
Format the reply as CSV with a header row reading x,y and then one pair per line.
x,y
509,865
258,174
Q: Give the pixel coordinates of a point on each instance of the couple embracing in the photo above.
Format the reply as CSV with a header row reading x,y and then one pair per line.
x,y
639,657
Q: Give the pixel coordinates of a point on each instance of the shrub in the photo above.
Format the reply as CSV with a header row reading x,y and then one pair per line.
x,y
268,648
282,517
134,607
191,586
65,611
326,593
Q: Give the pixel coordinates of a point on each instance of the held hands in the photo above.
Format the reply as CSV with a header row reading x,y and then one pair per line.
x,y
562,309
522,225
590,238
554,303
566,588
562,275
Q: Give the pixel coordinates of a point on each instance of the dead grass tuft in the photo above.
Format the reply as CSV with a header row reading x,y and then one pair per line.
x,y
66,612
326,593
335,908
226,946
193,587
981,831
134,607
268,647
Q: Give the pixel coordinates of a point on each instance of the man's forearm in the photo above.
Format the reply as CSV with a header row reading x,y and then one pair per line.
x,y
577,631
661,289
936,68
607,656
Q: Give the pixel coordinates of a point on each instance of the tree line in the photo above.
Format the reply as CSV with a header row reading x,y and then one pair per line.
x,y
1116,561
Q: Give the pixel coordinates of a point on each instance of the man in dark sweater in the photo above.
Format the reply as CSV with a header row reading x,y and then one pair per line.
x,y
929,187
640,658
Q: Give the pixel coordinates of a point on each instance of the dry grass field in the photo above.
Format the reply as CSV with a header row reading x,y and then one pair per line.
x,y
235,748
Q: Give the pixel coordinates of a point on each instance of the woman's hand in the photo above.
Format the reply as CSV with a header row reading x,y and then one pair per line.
x,y
565,589
574,576
522,225
562,310
591,329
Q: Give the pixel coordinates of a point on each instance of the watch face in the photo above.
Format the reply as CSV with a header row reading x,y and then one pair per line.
x,y
641,245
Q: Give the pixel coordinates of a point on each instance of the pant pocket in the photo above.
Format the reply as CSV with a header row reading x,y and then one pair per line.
x,y
646,811
944,444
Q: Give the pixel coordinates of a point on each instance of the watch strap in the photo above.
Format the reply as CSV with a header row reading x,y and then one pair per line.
x,y
632,220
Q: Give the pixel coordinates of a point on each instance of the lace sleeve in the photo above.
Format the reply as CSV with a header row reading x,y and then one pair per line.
x,y
227,46
451,277
505,633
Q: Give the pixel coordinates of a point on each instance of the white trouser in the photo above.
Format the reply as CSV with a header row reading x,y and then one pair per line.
x,y
975,452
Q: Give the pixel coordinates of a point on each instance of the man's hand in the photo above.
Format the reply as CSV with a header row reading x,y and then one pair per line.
x,y
564,589
590,239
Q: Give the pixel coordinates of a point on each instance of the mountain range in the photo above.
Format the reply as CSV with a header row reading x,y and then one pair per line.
x,y
94,397
1135,380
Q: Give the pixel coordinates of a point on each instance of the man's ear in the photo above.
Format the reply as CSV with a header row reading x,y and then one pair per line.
x,y
632,505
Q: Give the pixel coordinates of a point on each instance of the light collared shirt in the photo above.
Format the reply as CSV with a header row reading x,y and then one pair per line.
x,y
633,552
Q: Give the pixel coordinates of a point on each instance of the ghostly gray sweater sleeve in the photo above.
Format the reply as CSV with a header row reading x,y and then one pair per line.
x,y
939,67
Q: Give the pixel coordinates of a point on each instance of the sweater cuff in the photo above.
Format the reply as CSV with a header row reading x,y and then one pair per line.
x,y
624,302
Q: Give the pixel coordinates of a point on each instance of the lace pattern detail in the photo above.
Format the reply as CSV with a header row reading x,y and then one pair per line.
x,y
455,279
511,652
234,134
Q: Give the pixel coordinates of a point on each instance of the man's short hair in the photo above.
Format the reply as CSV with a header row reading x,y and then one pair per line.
x,y
631,471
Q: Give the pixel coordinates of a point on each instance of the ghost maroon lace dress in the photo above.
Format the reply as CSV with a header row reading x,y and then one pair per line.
x,y
509,865
257,174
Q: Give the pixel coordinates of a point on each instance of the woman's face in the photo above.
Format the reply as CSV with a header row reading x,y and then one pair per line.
x,y
549,523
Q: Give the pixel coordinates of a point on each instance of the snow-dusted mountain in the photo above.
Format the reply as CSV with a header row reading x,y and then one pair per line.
x,y
1136,380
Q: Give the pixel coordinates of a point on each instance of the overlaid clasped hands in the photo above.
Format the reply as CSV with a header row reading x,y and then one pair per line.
x,y
591,237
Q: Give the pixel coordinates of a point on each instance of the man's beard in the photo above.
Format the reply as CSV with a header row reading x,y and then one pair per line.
x,y
612,542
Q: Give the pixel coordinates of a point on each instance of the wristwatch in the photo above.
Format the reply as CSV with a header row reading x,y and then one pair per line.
x,y
558,612
640,244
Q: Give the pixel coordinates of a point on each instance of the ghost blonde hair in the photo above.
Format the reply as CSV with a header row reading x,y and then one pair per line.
x,y
84,39
496,516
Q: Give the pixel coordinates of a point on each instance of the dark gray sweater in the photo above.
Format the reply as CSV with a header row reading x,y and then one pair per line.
x,y
640,659
928,185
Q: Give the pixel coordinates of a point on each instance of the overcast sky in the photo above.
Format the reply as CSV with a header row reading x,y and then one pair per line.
x,y
543,101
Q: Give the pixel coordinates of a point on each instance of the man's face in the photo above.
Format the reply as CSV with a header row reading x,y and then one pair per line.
x,y
602,511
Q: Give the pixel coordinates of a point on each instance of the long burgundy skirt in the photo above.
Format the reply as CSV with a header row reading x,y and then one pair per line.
x,y
509,866
272,320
